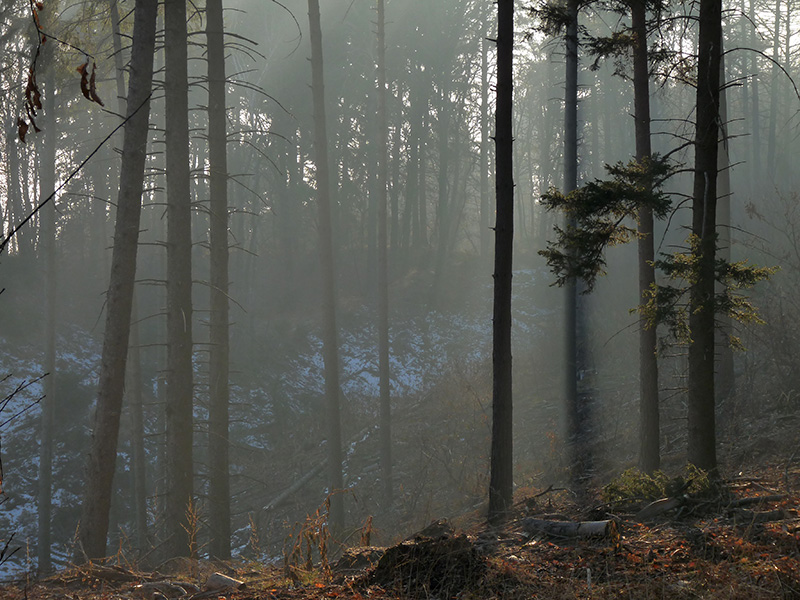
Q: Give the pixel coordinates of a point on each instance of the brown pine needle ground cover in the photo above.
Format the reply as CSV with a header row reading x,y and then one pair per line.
x,y
740,542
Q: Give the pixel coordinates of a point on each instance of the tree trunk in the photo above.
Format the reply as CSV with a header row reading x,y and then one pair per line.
x,y
649,450
218,471
483,160
570,183
755,143
179,285
102,456
773,94
701,418
726,381
329,335
442,209
501,478
383,268
47,185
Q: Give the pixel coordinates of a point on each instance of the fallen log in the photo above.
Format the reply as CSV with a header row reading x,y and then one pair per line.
x,y
572,529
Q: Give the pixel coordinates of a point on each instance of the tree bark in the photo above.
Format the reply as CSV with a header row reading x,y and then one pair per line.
x,y
329,334
649,449
179,421
570,183
218,412
701,418
102,457
501,477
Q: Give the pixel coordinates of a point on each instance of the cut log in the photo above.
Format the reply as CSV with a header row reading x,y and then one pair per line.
x,y
658,507
572,529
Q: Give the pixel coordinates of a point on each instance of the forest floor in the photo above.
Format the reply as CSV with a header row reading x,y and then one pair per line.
x,y
737,540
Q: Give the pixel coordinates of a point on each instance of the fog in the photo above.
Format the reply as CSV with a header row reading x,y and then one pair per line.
x,y
440,196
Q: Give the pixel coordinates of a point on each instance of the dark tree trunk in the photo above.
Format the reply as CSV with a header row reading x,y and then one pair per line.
x,y
133,388
179,419
329,335
649,448
218,418
501,479
570,183
701,418
102,457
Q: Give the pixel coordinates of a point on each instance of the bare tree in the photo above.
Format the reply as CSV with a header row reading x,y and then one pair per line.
x,y
218,417
326,251
501,480
102,457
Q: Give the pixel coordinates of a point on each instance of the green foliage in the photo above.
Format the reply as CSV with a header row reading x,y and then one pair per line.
x,y
633,486
598,216
668,304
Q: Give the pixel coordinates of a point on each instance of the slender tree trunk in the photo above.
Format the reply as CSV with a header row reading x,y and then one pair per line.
x,y
649,448
726,380
483,160
774,93
218,418
501,478
570,183
133,396
701,418
423,173
179,419
133,387
47,185
383,268
755,143
329,335
442,209
102,457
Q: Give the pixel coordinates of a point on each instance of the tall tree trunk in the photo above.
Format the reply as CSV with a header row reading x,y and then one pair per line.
x,y
726,380
383,267
755,144
133,396
102,457
501,478
701,418
570,183
47,185
329,335
442,209
649,448
483,160
179,419
774,93
218,418
133,388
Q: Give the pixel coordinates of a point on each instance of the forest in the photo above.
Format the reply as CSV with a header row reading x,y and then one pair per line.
x,y
399,298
